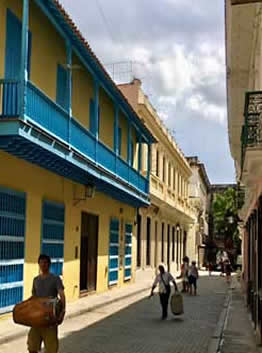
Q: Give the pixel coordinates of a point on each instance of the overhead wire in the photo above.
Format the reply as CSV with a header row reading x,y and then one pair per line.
x,y
105,20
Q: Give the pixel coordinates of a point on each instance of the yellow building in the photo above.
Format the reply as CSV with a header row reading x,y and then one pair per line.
x,y
165,229
70,146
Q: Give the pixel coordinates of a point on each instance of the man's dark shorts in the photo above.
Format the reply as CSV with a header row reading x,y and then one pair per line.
x,y
192,281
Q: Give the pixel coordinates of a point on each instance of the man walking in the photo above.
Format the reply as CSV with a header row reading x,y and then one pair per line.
x,y
46,285
163,279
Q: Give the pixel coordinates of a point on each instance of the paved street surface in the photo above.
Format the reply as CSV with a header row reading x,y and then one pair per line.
x,y
134,326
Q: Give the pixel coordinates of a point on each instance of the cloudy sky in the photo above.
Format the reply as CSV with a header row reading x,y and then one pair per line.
x,y
177,47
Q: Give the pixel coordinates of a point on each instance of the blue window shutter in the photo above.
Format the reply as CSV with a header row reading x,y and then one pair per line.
x,y
92,126
119,140
53,227
29,54
98,121
132,153
12,223
128,252
14,47
61,87
113,252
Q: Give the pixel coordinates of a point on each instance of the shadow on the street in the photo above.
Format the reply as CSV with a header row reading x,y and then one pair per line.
x,y
118,332
138,327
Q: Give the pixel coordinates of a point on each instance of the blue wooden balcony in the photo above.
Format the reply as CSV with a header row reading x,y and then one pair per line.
x,y
49,137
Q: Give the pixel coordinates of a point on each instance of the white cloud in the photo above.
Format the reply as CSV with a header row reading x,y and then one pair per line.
x,y
178,50
209,111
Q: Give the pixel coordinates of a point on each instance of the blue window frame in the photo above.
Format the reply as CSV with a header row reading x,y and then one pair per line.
x,y
12,241
61,87
53,219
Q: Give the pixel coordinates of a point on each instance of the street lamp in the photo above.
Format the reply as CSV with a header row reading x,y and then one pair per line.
x,y
89,191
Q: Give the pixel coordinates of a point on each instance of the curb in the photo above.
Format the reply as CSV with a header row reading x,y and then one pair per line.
x,y
15,336
217,337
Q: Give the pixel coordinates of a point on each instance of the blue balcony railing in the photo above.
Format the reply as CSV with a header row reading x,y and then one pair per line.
x,y
9,98
55,120
47,113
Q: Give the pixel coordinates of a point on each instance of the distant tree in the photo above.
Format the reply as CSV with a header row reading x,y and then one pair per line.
x,y
225,215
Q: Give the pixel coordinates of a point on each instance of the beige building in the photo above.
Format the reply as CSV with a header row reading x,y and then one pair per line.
x,y
244,95
199,196
166,229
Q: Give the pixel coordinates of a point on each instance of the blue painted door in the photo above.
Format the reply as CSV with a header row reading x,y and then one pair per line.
x,y
12,240
61,87
128,251
13,63
113,252
53,224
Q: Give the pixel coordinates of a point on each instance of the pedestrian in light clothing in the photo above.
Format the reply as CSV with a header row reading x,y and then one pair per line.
x,y
46,285
163,279
193,277
184,274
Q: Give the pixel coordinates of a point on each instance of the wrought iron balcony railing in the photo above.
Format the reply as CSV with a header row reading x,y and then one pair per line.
x,y
252,129
240,199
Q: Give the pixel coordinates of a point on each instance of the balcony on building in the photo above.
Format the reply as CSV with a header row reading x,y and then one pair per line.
x,y
60,110
251,139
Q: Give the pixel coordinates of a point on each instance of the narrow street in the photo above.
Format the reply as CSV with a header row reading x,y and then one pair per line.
x,y
135,327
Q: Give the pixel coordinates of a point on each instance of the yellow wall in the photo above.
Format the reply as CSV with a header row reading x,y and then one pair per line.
x,y
107,115
48,48
83,91
40,184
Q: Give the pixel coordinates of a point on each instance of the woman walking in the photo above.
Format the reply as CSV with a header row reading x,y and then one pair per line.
x,y
163,279
184,274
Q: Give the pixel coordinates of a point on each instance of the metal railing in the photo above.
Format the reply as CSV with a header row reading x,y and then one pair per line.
x,y
47,114
9,98
251,135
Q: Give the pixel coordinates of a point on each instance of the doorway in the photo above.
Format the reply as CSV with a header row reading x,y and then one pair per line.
x,y
138,243
156,244
148,241
168,248
88,255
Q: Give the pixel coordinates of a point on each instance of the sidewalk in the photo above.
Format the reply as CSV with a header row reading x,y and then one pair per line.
x,y
9,331
238,335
